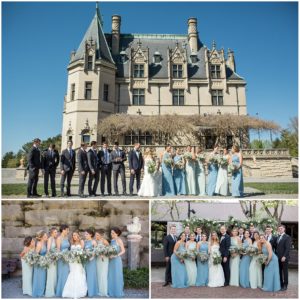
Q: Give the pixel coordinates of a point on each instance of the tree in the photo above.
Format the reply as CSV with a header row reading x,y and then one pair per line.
x,y
6,157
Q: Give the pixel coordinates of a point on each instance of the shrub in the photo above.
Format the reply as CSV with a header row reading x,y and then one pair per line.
x,y
136,279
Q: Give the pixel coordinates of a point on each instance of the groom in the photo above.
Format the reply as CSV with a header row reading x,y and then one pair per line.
x,y
224,249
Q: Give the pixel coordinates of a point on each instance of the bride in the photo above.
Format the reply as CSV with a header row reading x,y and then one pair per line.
x,y
76,286
215,272
151,184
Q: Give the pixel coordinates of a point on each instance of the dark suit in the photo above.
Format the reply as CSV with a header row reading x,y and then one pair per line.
x,y
242,238
34,165
118,167
197,238
50,161
136,163
67,164
272,241
169,244
283,250
224,249
104,157
83,166
95,167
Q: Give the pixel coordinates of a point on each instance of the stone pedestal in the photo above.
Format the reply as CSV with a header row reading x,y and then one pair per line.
x,y
20,173
133,250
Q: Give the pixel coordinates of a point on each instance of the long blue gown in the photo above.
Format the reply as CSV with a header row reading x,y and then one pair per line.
x,y
115,275
62,269
212,178
91,272
244,268
271,273
168,188
39,277
178,270
237,185
179,178
202,268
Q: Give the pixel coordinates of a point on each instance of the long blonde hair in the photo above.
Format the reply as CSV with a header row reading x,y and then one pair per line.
x,y
72,239
217,238
40,234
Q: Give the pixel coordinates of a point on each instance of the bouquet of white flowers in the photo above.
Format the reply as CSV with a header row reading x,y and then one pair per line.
x,y
111,251
168,162
100,250
191,254
201,157
31,257
262,258
151,166
223,162
251,250
217,258
181,254
53,256
243,250
232,168
187,156
203,257
179,164
43,262
214,159
234,250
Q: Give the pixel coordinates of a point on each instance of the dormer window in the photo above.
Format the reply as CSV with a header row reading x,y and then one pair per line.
x,y
177,71
123,56
157,57
138,71
194,58
215,71
90,63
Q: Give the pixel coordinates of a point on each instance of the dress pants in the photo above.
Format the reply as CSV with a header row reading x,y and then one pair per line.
x,y
67,175
226,270
106,173
92,188
284,273
51,173
168,274
82,179
121,171
33,178
138,181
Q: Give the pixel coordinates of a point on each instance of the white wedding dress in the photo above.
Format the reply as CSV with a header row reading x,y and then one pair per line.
x,y
215,272
76,286
152,183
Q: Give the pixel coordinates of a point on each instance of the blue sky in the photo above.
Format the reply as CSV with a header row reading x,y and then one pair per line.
x,y
37,39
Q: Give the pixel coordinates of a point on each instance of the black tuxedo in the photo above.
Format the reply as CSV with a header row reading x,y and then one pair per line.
x,y
67,164
225,243
272,241
198,237
118,158
169,244
34,165
50,161
136,163
104,157
83,168
94,166
283,250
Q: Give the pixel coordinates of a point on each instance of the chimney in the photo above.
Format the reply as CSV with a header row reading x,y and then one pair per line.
x,y
115,34
230,62
193,34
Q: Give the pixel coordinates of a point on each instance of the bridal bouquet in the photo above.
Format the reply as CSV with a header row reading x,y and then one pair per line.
x,y
43,262
111,251
223,162
203,257
262,258
201,158
216,257
251,250
214,159
100,250
243,251
187,156
168,162
151,166
234,250
53,256
72,256
31,257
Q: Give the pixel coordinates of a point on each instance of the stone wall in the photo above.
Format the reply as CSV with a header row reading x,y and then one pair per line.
x,y
23,218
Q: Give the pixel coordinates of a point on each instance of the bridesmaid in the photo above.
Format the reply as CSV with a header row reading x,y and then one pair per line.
x,y
237,185
40,274
115,267
200,174
91,265
52,270
271,272
102,264
235,259
27,270
168,188
190,264
245,262
190,173
255,269
178,270
63,269
222,185
212,174
179,174
202,267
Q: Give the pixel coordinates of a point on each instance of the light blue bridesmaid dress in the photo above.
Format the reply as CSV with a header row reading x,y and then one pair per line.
x,y
115,275
51,275
212,178
271,273
102,273
237,185
27,272
202,268
244,268
234,264
63,269
200,178
178,270
39,277
179,178
168,188
91,272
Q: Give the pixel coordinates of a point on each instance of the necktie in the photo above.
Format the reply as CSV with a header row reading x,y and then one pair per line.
x,y
70,151
279,239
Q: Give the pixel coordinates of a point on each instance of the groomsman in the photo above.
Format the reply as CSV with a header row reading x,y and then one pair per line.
x,y
169,243
270,237
94,171
241,234
34,165
83,168
252,230
104,157
198,234
136,164
118,158
283,247
187,233
224,249
67,167
50,161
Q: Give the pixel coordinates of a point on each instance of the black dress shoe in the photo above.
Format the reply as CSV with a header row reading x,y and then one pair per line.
x,y
37,195
82,196
131,194
102,195
124,194
29,196
284,288
109,194
117,194
166,284
53,196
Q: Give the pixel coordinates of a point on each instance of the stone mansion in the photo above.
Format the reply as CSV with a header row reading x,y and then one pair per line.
x,y
146,74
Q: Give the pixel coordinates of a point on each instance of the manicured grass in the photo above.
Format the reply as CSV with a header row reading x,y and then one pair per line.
x,y
275,187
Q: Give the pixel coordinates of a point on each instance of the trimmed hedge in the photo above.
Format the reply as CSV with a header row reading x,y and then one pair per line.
x,y
136,279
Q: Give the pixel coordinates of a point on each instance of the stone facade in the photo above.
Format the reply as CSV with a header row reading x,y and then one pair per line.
x,y
25,218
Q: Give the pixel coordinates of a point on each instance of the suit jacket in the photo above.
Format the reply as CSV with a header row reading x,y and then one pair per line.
x,y
135,162
50,162
82,161
197,238
34,159
242,239
101,157
224,245
169,244
67,161
283,246
273,241
117,164
93,160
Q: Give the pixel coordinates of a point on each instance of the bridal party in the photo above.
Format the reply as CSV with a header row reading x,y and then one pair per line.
x,y
244,258
60,264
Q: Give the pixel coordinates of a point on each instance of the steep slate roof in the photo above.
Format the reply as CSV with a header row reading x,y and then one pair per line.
x,y
232,75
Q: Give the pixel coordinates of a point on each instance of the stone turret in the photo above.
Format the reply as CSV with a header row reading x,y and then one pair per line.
x,y
230,62
193,34
115,34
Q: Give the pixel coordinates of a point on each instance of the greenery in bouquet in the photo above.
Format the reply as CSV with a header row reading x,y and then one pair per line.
x,y
31,257
43,262
181,254
234,250
243,250
201,157
111,251
53,256
223,162
168,162
251,250
191,254
262,258
232,168
179,164
202,257
214,159
100,250
216,257
187,156
151,167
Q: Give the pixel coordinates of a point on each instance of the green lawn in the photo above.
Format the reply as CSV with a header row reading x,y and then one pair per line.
x,y
275,187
